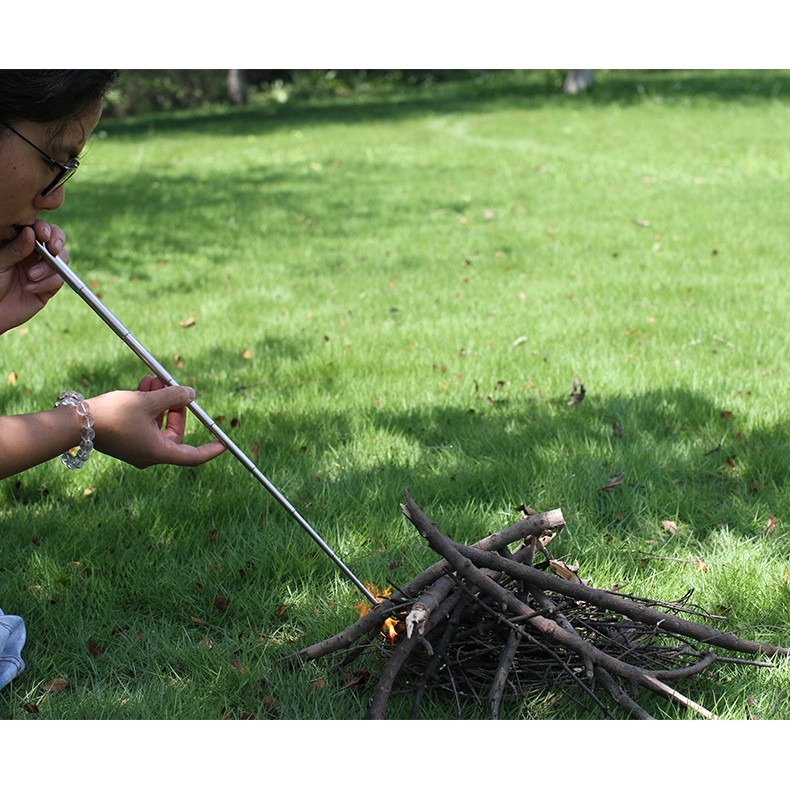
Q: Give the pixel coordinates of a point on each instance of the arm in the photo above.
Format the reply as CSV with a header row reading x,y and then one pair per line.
x,y
142,428
27,440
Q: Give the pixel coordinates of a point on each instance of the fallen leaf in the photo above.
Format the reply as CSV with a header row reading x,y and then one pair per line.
x,y
237,666
187,322
319,684
55,685
30,707
94,648
12,378
281,610
565,571
221,603
771,525
670,526
701,566
247,354
356,678
617,480
577,392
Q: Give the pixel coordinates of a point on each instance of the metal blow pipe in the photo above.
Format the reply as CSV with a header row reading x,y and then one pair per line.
x,y
93,301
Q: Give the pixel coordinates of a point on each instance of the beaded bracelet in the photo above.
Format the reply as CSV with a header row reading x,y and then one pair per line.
x,y
80,458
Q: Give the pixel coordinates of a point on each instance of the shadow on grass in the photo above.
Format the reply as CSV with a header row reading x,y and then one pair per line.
x,y
680,456
152,552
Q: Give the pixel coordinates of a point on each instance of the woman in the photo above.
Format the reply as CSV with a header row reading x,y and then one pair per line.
x,y
46,118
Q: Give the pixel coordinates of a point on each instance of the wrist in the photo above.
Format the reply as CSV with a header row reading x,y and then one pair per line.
x,y
79,457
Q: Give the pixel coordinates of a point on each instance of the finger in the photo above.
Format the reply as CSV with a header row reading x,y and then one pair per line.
x,y
157,383
51,235
151,383
175,425
17,249
57,242
146,383
45,287
43,231
167,398
190,455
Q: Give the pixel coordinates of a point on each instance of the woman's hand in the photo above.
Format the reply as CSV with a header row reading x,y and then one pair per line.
x,y
146,427
27,281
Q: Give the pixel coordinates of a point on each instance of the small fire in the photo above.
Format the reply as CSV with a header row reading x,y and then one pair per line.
x,y
389,628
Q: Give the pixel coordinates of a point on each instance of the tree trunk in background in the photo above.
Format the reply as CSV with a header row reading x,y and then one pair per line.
x,y
577,80
237,86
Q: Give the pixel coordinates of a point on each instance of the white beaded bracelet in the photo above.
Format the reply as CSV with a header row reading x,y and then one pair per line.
x,y
80,458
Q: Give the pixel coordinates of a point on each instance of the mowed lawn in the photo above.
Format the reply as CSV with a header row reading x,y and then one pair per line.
x,y
392,290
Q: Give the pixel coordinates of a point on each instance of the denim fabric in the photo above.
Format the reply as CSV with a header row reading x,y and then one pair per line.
x,y
12,639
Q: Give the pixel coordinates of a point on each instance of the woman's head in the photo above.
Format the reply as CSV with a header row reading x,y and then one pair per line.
x,y
45,120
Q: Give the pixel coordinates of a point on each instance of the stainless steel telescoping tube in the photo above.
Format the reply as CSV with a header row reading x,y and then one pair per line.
x,y
82,290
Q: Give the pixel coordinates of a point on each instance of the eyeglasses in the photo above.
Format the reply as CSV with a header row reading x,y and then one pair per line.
x,y
65,171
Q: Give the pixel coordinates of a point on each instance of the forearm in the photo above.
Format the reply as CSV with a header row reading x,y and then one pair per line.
x,y
27,440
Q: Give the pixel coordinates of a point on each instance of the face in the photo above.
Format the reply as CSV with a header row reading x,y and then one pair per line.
x,y
24,173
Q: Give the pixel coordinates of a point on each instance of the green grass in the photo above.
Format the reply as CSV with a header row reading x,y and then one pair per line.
x,y
395,290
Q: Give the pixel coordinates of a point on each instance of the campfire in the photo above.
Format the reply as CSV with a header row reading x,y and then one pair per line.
x,y
504,619
389,629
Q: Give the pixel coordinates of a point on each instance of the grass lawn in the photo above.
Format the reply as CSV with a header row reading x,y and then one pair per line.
x,y
395,289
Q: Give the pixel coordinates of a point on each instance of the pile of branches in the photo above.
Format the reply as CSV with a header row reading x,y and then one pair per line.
x,y
489,623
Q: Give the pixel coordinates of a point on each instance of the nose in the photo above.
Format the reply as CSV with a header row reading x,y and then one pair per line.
x,y
52,201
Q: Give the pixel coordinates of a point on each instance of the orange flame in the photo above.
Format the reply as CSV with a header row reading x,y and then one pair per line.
x,y
388,627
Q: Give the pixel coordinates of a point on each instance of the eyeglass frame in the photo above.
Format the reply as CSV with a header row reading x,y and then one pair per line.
x,y
67,170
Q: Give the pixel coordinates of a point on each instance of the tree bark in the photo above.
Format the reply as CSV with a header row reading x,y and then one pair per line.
x,y
237,86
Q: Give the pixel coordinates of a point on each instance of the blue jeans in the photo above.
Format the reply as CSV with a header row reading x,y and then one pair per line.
x,y
12,639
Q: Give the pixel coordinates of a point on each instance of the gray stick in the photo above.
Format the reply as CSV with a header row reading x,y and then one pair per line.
x,y
82,290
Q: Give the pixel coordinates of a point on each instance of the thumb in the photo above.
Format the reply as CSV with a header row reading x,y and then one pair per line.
x,y
17,249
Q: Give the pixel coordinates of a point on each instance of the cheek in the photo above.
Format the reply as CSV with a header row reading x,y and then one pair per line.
x,y
18,184
18,187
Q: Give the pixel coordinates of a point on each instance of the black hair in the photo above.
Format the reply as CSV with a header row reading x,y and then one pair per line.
x,y
45,96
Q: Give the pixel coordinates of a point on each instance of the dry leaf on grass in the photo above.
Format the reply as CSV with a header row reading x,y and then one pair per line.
x,y
577,392
615,481
221,603
670,526
55,685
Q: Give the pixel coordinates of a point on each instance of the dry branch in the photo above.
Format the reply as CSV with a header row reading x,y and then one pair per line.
x,y
488,624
